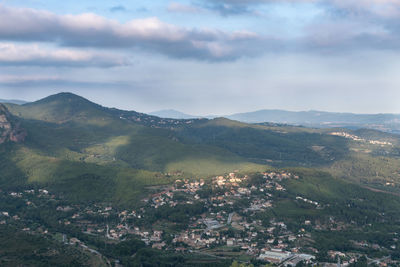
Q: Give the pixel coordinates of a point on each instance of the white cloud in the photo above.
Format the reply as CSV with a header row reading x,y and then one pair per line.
x,y
35,55
14,79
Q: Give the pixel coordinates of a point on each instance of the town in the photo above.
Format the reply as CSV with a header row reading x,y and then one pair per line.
x,y
222,216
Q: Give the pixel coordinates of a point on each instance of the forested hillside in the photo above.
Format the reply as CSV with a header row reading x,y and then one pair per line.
x,y
70,142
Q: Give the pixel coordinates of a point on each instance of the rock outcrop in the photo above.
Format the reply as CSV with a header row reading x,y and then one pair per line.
x,y
10,128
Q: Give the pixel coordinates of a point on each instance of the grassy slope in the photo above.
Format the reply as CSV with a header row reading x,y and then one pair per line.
x,y
363,167
280,146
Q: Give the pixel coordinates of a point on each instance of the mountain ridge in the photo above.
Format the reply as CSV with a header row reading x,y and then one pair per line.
x,y
13,101
388,122
321,119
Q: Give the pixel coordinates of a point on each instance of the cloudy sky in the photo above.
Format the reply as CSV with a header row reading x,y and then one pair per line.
x,y
205,56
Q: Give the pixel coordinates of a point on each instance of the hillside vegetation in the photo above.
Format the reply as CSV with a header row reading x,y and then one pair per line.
x,y
89,152
18,248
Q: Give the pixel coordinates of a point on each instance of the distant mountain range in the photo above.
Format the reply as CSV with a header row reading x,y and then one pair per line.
x,y
318,119
313,117
13,101
172,114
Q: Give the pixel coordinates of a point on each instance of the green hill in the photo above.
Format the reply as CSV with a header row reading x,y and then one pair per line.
x,y
81,149
86,151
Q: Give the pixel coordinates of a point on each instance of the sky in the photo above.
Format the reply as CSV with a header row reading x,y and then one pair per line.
x,y
205,56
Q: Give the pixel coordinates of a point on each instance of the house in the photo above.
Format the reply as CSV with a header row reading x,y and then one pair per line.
x,y
158,245
230,242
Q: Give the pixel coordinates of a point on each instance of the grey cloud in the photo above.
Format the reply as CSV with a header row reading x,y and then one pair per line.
x,y
386,9
349,8
345,26
118,9
239,7
151,34
227,9
57,82
328,35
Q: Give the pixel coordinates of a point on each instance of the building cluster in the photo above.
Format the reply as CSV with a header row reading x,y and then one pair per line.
x,y
359,139
231,204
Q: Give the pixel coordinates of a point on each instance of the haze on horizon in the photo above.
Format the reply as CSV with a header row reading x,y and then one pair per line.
x,y
205,57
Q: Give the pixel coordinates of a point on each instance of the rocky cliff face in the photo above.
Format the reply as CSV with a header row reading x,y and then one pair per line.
x,y
10,129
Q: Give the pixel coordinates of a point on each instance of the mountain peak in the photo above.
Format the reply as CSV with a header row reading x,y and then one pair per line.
x,y
61,97
59,108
